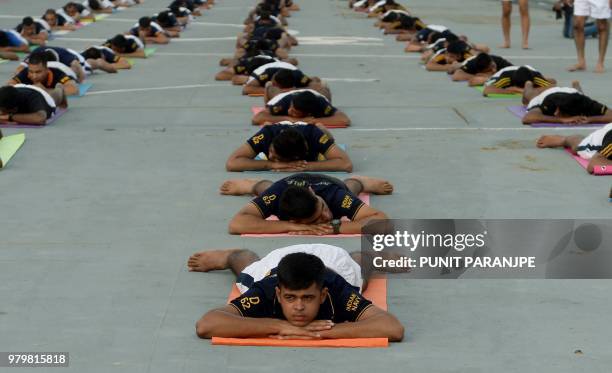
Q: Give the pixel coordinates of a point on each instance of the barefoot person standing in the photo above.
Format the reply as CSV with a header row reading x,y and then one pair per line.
x,y
506,23
600,11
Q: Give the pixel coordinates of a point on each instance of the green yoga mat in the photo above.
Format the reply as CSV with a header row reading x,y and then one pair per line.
x,y
498,95
3,61
9,146
149,51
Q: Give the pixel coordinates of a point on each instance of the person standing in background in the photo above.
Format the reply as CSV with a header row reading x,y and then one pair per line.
x,y
506,22
600,11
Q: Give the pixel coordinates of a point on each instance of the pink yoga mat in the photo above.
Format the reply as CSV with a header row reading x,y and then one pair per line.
x,y
520,111
597,170
363,196
58,113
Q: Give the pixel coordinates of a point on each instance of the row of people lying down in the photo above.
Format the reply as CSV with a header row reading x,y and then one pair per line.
x,y
307,291
300,147
304,204
157,29
261,64
442,50
263,35
54,69
36,31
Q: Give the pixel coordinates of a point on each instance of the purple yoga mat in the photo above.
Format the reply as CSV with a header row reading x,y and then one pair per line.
x,y
58,113
520,111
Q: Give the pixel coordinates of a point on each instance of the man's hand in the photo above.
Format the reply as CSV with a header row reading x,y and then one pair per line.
x,y
142,36
454,67
288,331
295,166
4,117
310,120
319,325
578,119
312,229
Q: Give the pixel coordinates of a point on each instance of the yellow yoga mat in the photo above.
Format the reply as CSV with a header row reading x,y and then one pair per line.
x,y
9,145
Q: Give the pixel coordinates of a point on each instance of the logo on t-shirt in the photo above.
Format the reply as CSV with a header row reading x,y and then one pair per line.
x,y
246,302
268,199
257,139
353,303
347,202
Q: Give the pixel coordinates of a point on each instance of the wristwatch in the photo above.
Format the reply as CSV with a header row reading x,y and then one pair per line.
x,y
336,225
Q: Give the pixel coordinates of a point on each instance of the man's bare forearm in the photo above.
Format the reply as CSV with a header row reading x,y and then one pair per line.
x,y
242,224
220,323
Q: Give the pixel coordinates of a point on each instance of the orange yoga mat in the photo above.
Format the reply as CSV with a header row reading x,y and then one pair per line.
x,y
256,94
375,292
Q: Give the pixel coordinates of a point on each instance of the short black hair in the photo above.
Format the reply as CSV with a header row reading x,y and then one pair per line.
x,y
284,78
304,101
522,75
449,36
482,62
38,58
458,47
51,55
92,53
8,97
119,42
95,4
50,11
144,22
434,36
298,271
265,14
296,203
71,4
164,19
290,144
274,33
27,21
391,17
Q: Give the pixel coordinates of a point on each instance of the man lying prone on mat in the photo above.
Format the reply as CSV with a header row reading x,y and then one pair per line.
x,y
301,105
38,73
563,105
297,292
285,80
305,204
278,77
512,80
29,104
290,147
478,69
596,147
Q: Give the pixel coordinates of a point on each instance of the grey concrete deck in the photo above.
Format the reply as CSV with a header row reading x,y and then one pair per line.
x,y
101,210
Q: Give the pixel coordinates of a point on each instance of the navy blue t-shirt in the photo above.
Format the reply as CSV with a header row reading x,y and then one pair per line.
x,y
281,106
341,201
344,303
318,141
65,56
